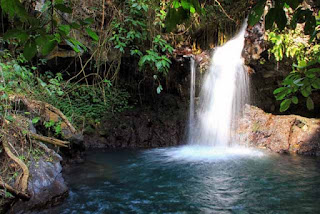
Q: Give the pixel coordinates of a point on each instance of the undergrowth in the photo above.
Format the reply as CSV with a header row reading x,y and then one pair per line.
x,y
82,104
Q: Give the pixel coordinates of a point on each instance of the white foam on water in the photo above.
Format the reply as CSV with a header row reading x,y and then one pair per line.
x,y
198,153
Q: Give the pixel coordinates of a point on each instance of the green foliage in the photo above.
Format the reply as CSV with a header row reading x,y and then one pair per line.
x,y
14,78
133,29
294,44
80,103
43,35
155,58
132,33
180,11
35,120
277,15
52,125
304,80
289,44
84,104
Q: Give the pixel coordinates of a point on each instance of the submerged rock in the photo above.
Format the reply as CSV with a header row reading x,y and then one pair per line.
x,y
279,133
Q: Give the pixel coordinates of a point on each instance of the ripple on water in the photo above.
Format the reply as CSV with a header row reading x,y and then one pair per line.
x,y
193,179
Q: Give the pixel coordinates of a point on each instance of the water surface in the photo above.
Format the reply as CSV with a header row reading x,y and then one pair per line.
x,y
193,179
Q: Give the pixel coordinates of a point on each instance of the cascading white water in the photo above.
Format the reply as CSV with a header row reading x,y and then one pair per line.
x,y
192,96
223,94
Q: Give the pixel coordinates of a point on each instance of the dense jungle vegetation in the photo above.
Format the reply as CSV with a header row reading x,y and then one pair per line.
x,y
87,59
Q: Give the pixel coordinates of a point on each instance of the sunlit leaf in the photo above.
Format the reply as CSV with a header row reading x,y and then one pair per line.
x,y
92,34
35,120
278,90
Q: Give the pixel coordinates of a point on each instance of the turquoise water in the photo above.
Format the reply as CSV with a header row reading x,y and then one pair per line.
x,y
193,180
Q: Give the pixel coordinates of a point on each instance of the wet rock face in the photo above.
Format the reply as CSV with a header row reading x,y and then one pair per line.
x,y
255,43
282,134
143,127
46,185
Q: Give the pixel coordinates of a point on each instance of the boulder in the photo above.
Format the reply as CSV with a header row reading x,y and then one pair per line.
x,y
279,133
46,184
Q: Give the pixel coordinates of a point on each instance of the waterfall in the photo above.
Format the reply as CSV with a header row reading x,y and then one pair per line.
x,y
223,94
192,96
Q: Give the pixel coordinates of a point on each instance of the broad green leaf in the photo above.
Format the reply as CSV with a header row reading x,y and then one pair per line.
x,y
278,90
302,64
185,4
75,25
316,83
312,62
305,92
76,45
310,104
293,3
176,4
30,50
48,47
192,9
35,120
298,82
88,21
310,24
295,100
57,129
8,6
16,33
281,95
14,7
197,6
10,118
270,18
65,29
285,105
73,46
281,19
41,40
159,65
296,16
63,8
310,74
256,13
59,1
92,34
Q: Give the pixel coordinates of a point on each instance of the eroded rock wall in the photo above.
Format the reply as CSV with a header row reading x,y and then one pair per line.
x,y
159,125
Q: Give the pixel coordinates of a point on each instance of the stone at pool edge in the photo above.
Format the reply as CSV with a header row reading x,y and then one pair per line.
x,y
46,186
279,133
